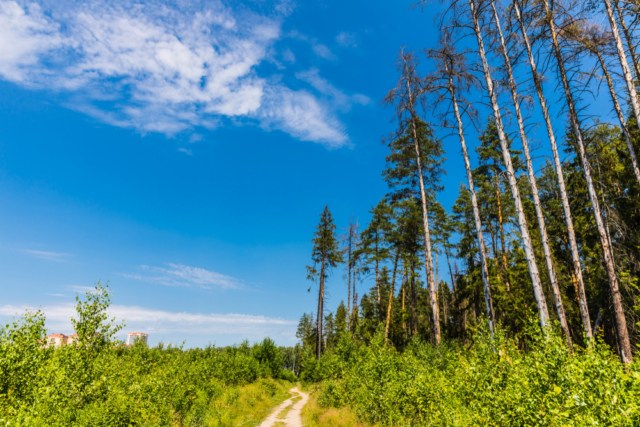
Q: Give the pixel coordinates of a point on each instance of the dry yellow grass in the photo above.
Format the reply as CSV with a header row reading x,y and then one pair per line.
x,y
315,416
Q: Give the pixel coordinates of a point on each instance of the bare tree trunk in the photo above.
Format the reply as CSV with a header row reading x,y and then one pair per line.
x,y
404,284
320,310
623,335
377,280
355,296
629,38
425,222
534,186
476,210
513,183
622,56
577,268
631,87
505,266
453,283
616,106
349,268
393,282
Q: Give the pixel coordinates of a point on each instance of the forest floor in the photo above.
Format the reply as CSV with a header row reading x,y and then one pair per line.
x,y
287,414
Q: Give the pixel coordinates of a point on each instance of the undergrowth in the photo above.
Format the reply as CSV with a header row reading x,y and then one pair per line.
x,y
491,382
99,382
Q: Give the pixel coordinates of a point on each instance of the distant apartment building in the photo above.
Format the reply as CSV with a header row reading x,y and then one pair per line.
x,y
132,337
56,340
72,338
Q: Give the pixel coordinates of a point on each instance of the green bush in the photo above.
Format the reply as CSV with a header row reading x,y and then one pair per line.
x,y
100,382
490,383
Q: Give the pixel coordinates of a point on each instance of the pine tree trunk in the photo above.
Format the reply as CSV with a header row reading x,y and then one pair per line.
x,y
631,87
377,280
437,271
425,222
505,266
453,284
577,268
476,210
513,183
623,122
393,282
404,284
353,305
629,38
320,310
622,56
349,274
534,186
621,323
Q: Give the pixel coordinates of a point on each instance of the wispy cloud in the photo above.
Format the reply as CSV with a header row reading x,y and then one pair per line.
x,y
165,322
184,275
158,67
341,100
323,51
51,256
347,39
81,289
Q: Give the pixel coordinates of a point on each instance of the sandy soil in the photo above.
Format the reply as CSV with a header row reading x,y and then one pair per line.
x,y
293,416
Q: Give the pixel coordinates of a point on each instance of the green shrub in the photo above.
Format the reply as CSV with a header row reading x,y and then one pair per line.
x,y
100,382
491,383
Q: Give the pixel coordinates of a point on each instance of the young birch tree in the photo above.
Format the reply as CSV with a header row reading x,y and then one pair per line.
x,y
532,177
452,73
405,97
568,217
511,178
621,323
325,255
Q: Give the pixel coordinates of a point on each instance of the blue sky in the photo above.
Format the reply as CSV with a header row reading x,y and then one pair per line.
x,y
184,153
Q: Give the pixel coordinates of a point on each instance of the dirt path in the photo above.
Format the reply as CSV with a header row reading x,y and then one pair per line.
x,y
287,414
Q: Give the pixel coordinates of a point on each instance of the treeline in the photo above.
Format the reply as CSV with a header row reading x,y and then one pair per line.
x,y
557,238
97,381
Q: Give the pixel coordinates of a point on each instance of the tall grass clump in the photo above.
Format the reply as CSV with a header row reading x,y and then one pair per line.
x,y
100,382
490,382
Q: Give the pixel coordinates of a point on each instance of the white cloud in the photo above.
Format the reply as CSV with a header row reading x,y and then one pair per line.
x,y
347,39
184,275
157,67
323,51
187,151
51,256
339,98
81,289
162,322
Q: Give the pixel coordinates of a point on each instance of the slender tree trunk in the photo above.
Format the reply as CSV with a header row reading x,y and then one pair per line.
x,y
349,270
513,183
623,335
629,38
534,186
453,284
505,266
355,297
474,204
320,310
623,122
377,280
425,222
577,268
626,72
404,284
393,282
